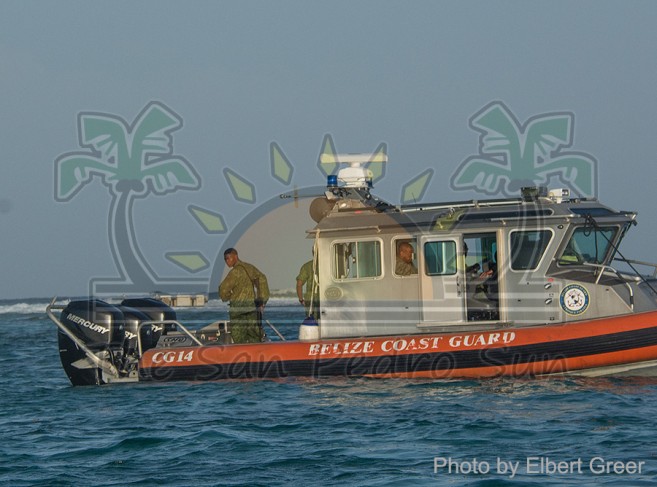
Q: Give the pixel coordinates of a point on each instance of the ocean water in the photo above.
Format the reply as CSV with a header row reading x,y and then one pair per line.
x,y
370,432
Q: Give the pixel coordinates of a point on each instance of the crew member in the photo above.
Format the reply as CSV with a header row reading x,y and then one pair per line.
x,y
309,298
405,266
247,290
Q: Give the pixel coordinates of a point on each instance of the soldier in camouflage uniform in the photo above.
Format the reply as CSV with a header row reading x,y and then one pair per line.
x,y
248,291
404,265
306,277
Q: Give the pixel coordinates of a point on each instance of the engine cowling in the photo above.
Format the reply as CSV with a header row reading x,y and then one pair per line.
x,y
98,324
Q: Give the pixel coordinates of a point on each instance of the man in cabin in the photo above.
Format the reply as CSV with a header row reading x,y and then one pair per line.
x,y
309,298
247,290
471,271
405,266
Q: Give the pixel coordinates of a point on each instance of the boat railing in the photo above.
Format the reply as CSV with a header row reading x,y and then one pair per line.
x,y
458,205
105,365
640,262
522,218
178,325
600,270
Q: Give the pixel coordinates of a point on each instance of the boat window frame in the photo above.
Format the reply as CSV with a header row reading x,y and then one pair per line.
x,y
545,252
414,242
356,240
611,250
455,261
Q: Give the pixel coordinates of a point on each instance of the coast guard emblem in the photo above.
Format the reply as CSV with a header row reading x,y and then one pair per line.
x,y
574,299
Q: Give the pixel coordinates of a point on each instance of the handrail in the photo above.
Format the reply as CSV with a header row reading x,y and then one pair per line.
x,y
164,322
604,268
458,205
103,364
537,218
640,262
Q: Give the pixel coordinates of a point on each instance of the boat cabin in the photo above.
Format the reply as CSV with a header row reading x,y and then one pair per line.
x,y
538,259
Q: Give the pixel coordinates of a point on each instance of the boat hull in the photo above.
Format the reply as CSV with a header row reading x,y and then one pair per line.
x,y
607,346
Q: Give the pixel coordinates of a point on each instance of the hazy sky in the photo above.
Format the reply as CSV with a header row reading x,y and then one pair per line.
x,y
243,74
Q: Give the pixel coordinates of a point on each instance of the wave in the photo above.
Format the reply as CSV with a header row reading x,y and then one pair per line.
x,y
31,307
23,308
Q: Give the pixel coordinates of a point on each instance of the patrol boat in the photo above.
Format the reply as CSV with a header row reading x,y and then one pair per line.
x,y
527,286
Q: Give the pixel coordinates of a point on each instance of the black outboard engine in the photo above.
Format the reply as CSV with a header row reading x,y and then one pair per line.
x,y
156,311
132,320
110,334
100,327
140,310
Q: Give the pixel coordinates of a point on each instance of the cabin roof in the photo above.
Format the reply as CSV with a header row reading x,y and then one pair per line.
x,y
353,214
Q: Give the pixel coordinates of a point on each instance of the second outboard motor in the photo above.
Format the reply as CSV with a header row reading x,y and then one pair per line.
x,y
149,334
100,327
155,309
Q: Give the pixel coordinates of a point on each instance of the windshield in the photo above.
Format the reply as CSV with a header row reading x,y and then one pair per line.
x,y
588,245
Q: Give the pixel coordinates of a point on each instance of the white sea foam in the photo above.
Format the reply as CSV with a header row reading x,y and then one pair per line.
x,y
213,304
23,308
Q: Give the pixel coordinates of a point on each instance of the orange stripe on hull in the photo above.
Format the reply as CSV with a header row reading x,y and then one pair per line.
x,y
533,369
513,351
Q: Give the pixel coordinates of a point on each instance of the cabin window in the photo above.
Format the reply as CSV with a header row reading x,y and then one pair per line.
x,y
527,248
440,258
588,245
357,260
592,211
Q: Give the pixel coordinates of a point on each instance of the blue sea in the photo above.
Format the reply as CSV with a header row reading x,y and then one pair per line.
x,y
364,432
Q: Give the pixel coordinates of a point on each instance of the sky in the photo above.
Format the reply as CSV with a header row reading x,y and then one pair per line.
x,y
239,76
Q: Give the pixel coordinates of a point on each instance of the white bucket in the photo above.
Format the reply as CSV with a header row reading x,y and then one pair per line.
x,y
309,332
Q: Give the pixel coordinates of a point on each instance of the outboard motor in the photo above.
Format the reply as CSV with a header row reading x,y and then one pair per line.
x,y
157,311
107,337
132,320
139,310
100,327
136,312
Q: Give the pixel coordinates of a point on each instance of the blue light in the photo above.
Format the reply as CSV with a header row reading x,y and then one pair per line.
x,y
332,181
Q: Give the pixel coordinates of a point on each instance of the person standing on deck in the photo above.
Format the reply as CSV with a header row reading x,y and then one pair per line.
x,y
311,281
247,290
